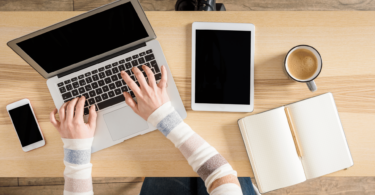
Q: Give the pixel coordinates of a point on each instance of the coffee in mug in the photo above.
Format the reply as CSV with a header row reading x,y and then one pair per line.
x,y
303,63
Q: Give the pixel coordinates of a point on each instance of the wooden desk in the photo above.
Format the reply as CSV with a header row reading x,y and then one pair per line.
x,y
346,41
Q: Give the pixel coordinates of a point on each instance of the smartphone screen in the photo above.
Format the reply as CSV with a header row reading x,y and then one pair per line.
x,y
25,125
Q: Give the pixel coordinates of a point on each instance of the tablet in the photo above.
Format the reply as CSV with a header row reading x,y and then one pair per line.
x,y
222,67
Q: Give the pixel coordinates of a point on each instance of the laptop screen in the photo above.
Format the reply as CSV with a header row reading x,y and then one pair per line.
x,y
86,38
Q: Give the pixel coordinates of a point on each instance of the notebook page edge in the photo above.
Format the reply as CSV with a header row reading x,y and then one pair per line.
x,y
242,127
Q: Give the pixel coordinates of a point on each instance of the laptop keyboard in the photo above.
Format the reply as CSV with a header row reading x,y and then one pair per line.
x,y
104,86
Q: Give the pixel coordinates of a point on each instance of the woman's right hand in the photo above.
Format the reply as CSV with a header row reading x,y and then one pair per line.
x,y
150,96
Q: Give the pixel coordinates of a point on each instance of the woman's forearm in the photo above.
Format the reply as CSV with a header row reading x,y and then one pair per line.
x,y
214,170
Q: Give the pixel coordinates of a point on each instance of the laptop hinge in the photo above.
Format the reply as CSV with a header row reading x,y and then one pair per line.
x,y
101,60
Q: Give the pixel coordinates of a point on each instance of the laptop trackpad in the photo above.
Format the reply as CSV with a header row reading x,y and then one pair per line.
x,y
124,122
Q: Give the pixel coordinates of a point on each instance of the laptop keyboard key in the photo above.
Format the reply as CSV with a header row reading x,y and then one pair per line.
x,y
108,80
121,67
62,89
149,51
104,96
101,83
74,79
86,95
95,77
135,56
148,65
114,78
118,84
134,63
91,101
98,99
94,85
87,74
66,95
121,61
82,82
132,94
75,92
128,65
86,111
119,76
60,84
115,70
141,60
128,59
150,57
133,77
118,91
99,91
80,76
92,93
114,64
108,66
69,87
129,72
140,67
67,81
105,88
81,90
112,86
111,94
101,69
101,75
94,71
111,102
88,87
75,85
158,76
86,103
142,54
88,80
124,88
108,73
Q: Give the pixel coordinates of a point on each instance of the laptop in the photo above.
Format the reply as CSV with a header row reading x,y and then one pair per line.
x,y
83,56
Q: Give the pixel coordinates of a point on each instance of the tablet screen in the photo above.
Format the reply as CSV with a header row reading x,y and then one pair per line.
x,y
222,67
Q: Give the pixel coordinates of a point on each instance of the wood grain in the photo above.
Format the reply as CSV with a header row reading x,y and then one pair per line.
x,y
248,5
344,39
99,189
36,5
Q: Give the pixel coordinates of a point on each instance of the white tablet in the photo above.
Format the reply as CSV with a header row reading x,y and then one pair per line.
x,y
222,67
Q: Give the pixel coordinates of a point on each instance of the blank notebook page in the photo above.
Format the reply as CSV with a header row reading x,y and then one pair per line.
x,y
274,155
321,135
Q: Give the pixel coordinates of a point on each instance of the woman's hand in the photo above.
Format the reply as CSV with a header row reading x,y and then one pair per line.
x,y
71,124
150,96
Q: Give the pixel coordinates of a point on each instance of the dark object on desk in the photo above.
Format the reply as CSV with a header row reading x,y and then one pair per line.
x,y
199,5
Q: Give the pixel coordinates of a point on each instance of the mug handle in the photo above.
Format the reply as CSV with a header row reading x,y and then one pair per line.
x,y
312,86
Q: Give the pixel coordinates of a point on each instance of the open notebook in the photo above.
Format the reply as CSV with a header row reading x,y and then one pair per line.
x,y
272,150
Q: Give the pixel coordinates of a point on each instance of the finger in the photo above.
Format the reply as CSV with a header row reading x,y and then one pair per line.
x,y
129,101
70,109
163,81
92,117
62,111
134,87
79,108
150,76
53,120
141,79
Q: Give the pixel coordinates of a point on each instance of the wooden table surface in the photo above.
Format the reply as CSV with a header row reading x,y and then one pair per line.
x,y
346,41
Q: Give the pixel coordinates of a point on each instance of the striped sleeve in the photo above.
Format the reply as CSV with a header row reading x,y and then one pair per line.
x,y
204,159
77,172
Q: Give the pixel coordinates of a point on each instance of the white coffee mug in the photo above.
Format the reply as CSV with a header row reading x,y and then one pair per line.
x,y
310,81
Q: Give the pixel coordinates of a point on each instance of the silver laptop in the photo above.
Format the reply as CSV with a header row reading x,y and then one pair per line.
x,y
83,56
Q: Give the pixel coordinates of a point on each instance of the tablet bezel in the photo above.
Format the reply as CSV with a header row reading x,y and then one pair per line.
x,y
223,107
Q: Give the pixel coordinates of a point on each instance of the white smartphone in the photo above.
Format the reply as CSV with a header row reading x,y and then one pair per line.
x,y
26,125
